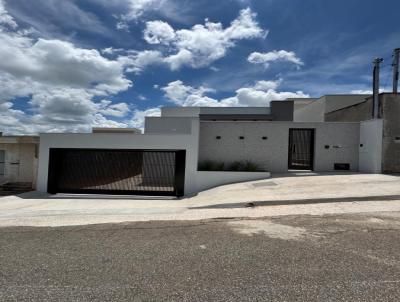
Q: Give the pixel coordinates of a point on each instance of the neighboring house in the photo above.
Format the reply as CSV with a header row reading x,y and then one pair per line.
x,y
389,140
175,154
18,160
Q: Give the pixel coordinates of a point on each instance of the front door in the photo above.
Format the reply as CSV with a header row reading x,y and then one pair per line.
x,y
301,149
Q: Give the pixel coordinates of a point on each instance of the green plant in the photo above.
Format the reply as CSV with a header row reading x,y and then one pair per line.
x,y
251,167
235,166
209,165
245,166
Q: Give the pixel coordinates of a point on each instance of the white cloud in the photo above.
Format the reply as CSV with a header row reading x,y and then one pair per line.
x,y
158,32
8,115
61,81
181,58
273,56
251,96
182,94
139,116
260,94
109,109
201,45
122,25
5,17
367,91
138,7
196,47
111,50
137,61
64,105
134,9
59,63
267,85
100,121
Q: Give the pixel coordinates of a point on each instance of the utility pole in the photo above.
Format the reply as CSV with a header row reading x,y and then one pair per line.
x,y
396,55
375,104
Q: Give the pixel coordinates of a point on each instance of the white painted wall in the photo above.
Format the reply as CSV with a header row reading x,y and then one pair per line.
x,y
20,162
168,125
371,134
235,110
122,141
210,179
195,111
272,154
180,111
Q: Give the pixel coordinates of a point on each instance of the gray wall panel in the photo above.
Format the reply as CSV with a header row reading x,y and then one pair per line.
x,y
272,154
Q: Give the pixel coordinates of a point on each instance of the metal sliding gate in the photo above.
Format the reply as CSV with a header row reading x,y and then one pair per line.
x,y
104,171
301,149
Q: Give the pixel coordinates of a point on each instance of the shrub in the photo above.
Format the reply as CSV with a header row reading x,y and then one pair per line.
x,y
246,166
251,167
243,166
209,165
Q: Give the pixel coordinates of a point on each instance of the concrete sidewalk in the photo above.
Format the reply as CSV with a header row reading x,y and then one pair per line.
x,y
286,194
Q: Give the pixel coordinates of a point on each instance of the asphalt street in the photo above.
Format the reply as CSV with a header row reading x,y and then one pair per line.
x,y
294,258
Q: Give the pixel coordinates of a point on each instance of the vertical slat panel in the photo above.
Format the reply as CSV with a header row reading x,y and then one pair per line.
x,y
301,144
114,171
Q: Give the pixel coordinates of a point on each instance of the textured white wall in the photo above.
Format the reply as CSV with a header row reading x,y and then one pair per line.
x,y
272,154
371,133
168,125
20,163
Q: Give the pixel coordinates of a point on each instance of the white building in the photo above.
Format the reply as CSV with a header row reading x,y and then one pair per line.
x,y
18,159
175,154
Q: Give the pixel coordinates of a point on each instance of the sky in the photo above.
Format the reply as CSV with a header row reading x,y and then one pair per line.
x,y
67,66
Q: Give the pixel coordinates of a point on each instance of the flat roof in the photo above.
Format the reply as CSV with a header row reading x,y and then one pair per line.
x,y
115,130
19,139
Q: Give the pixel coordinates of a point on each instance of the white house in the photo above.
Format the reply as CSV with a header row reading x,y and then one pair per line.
x,y
18,159
187,150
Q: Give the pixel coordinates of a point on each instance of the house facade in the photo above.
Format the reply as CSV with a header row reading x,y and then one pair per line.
x,y
189,149
19,159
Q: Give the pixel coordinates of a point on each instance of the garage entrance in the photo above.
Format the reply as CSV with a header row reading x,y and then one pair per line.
x,y
104,171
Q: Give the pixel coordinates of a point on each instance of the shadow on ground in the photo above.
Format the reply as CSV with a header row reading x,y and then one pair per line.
x,y
297,201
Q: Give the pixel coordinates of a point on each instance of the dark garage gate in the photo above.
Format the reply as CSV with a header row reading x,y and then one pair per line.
x,y
110,171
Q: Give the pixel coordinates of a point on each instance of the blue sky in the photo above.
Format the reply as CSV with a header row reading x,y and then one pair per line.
x,y
70,65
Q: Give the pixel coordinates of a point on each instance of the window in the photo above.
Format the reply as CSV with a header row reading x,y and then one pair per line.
x,y
2,161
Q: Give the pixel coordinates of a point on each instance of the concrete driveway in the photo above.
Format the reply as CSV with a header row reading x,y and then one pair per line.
x,y
285,194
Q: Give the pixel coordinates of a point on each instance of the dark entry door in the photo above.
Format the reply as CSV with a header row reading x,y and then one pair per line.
x,y
103,171
301,149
